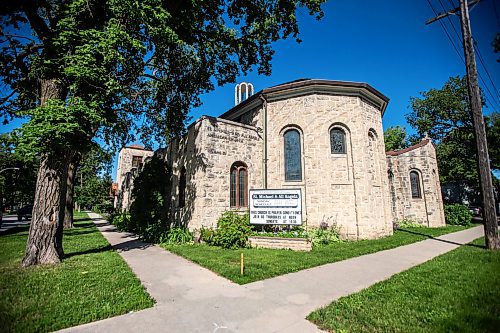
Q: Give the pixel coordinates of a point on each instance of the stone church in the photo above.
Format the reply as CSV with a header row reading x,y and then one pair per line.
x,y
323,137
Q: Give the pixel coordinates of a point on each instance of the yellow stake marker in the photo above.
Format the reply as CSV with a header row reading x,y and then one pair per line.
x,y
242,264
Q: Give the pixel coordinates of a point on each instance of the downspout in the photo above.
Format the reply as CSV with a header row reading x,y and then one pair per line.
x,y
264,148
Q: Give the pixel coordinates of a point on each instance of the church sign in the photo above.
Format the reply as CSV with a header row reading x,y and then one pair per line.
x,y
276,207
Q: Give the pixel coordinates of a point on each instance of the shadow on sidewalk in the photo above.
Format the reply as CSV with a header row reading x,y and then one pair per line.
x,y
442,240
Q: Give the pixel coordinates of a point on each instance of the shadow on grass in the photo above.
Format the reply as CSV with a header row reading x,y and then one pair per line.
x,y
97,250
441,240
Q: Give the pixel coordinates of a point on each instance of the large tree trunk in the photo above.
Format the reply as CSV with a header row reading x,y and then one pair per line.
x,y
46,229
69,204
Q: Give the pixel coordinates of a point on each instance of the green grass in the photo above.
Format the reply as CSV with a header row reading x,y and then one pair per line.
x,y
92,283
265,263
456,292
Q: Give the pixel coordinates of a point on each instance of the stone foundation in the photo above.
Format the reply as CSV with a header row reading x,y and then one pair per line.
x,y
295,244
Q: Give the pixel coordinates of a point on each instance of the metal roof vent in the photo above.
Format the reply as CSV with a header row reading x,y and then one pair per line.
x,y
241,90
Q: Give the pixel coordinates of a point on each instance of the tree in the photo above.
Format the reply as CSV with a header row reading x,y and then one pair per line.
x,y
395,138
16,186
444,114
96,67
93,179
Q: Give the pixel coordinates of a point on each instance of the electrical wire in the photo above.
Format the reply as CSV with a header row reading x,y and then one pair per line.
x,y
493,105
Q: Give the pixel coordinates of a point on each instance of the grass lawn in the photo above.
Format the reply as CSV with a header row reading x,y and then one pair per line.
x,y
265,263
92,283
456,292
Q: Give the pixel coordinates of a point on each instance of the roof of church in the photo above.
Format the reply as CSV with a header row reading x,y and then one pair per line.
x,y
402,151
136,146
302,87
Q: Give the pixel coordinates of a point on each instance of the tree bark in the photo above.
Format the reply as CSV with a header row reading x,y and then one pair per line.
x,y
44,244
46,229
69,204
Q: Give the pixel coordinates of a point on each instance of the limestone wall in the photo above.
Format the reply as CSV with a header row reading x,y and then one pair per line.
x,y
427,209
349,189
208,151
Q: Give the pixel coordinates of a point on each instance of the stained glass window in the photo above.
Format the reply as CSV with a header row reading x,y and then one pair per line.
x,y
293,166
337,141
182,188
238,185
415,185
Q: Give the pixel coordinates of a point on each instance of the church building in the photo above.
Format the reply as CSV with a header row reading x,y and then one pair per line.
x,y
320,136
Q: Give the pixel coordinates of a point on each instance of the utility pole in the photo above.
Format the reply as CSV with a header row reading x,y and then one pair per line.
x,y
483,160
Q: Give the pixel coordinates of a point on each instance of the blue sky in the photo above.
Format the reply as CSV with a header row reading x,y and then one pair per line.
x,y
383,43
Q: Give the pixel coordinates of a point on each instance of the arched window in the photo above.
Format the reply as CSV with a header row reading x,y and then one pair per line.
x,y
337,141
182,188
415,185
238,185
293,156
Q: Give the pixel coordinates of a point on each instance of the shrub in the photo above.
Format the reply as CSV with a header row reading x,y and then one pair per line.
x,y
121,221
324,235
207,235
407,223
177,235
232,231
457,214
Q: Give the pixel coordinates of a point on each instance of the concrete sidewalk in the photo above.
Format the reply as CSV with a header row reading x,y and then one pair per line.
x,y
193,299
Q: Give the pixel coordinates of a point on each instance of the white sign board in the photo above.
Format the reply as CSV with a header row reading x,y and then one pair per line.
x,y
276,207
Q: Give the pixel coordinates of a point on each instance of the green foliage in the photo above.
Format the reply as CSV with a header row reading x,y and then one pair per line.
x,y
445,116
92,180
149,207
407,223
324,236
16,186
283,232
395,138
50,298
207,235
232,231
178,235
117,62
457,215
121,221
455,292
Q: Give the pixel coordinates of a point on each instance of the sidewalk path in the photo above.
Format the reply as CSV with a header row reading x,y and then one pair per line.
x,y
193,299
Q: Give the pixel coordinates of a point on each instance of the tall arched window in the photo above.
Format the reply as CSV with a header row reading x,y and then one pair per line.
x,y
182,188
293,156
238,185
337,141
416,192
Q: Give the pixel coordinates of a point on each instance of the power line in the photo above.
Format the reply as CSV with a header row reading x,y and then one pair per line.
x,y
462,57
486,69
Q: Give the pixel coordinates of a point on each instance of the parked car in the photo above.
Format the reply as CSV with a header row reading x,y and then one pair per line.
x,y
476,210
24,212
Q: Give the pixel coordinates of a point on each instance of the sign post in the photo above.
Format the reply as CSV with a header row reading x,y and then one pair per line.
x,y
276,207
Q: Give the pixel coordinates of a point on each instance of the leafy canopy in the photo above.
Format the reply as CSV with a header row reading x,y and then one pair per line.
x,y
444,114
115,64
395,138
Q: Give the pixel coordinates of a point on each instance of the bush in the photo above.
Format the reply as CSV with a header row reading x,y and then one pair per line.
x,y
207,235
407,223
324,235
177,235
457,215
232,231
121,221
